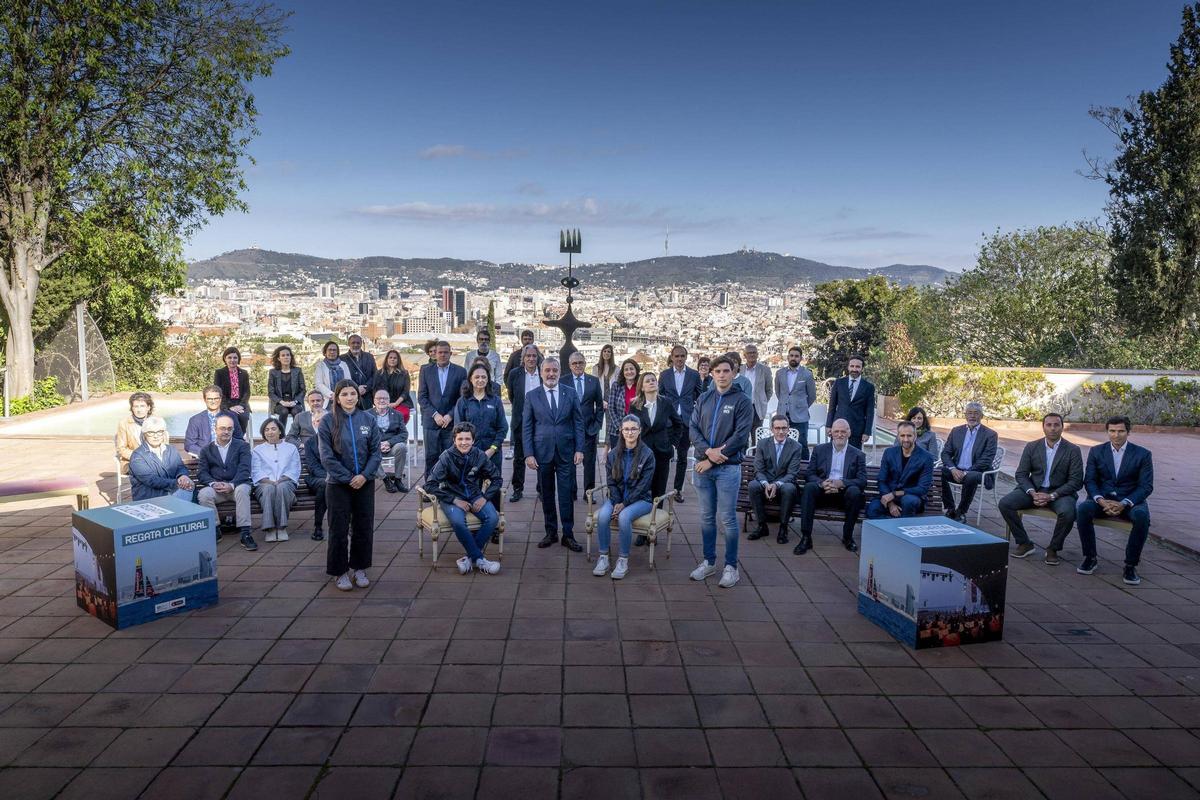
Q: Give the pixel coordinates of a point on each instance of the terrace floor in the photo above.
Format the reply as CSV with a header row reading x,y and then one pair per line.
x,y
544,681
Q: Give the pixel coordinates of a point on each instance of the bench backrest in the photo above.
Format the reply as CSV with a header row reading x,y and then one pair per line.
x,y
933,500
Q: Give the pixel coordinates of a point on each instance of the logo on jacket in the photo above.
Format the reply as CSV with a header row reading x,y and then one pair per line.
x,y
364,430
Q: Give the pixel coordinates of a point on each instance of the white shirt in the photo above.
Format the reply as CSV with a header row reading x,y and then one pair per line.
x,y
1118,456
579,384
224,451
791,378
158,451
275,461
837,463
555,403
680,374
652,410
532,381
442,373
1050,451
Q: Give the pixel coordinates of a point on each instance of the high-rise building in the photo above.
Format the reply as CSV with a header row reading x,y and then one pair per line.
x,y
383,290
325,291
460,307
364,308
448,298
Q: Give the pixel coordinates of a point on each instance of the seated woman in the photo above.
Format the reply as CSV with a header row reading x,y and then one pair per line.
x,y
926,439
314,480
275,473
129,429
457,482
155,468
629,469
393,440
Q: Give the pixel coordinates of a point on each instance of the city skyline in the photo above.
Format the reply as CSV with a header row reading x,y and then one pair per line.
x,y
891,135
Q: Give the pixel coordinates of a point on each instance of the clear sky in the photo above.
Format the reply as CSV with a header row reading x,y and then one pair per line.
x,y
862,133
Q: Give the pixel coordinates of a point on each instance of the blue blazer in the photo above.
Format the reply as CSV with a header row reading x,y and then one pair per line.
x,y
684,403
591,402
149,477
1135,483
235,469
915,479
199,434
430,396
546,437
854,468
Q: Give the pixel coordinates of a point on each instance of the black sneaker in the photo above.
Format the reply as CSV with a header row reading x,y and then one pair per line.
x,y
1131,577
248,542
1088,566
678,496
318,535
389,484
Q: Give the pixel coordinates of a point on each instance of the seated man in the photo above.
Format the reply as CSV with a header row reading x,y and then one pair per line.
x,y
202,427
1049,475
393,441
225,475
905,477
155,468
304,424
314,481
777,463
837,477
967,454
1119,478
457,482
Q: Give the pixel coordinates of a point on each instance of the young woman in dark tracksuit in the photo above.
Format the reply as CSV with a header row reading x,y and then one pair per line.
x,y
480,406
349,445
629,469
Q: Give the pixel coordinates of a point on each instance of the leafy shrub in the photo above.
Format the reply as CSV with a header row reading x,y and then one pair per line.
x,y
1166,402
1005,394
45,395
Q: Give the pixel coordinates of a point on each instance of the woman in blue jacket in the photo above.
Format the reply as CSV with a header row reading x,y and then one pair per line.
x,y
630,470
349,445
481,406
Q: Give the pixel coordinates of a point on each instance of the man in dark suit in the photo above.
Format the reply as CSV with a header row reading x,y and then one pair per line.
x,y
591,407
517,357
552,429
852,398
905,477
1119,478
837,476
679,385
967,454
797,391
1049,475
440,386
520,382
360,366
777,464
224,474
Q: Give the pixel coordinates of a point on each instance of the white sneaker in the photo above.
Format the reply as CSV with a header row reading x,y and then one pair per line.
x,y
270,535
360,579
703,571
281,535
464,565
622,569
729,577
344,583
488,567
601,566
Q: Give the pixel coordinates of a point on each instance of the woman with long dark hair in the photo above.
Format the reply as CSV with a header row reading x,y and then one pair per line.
x,y
394,377
482,407
605,369
926,439
234,383
349,446
620,397
330,371
285,385
629,468
661,429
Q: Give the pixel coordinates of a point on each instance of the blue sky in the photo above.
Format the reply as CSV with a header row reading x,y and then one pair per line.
x,y
861,134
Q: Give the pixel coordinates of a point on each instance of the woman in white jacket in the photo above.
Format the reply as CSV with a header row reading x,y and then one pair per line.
x,y
329,370
275,472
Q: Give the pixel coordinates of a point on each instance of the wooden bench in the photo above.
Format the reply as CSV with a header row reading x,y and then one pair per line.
x,y
1114,523
933,500
304,500
37,488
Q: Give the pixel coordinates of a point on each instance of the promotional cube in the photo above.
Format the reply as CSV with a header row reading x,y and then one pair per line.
x,y
932,582
139,561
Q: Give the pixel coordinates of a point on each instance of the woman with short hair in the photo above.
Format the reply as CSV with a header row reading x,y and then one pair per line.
x,y
129,430
275,473
330,371
926,439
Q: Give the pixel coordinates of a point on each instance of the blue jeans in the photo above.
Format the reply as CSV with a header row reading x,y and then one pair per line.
x,y
718,490
624,523
472,543
1139,515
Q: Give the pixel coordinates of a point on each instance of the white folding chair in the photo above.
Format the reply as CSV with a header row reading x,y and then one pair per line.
x,y
120,477
993,473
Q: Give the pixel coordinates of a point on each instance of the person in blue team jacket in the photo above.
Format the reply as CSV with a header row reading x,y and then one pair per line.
x,y
629,470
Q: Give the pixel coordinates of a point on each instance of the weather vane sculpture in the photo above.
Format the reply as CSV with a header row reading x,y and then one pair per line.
x,y
569,242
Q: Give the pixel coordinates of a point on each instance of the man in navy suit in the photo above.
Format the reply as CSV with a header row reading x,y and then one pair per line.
x,y
520,382
837,477
967,454
905,477
202,428
440,386
679,385
591,408
852,398
1118,479
552,429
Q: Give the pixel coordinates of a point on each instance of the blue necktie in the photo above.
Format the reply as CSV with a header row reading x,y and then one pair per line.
x,y
553,406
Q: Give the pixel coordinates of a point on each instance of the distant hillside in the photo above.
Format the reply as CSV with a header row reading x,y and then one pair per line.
x,y
747,267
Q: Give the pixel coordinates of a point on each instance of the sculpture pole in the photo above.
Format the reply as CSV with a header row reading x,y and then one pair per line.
x,y
569,242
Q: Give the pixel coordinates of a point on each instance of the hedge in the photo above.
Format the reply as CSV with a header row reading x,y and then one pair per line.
x,y
1166,402
1005,394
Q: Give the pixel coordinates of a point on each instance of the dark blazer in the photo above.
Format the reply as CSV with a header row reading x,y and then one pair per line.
x,y
981,455
1066,473
398,385
860,412
545,436
1136,481
916,478
515,382
430,396
395,433
787,470
662,436
278,384
591,402
684,403
362,369
235,469
151,477
514,363
854,468
627,491
199,432
312,460
221,379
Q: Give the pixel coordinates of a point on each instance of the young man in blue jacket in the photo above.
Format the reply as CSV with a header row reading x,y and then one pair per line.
x,y
720,430
457,482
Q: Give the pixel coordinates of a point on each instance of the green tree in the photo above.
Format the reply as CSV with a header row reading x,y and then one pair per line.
x,y
1154,205
848,318
491,323
119,117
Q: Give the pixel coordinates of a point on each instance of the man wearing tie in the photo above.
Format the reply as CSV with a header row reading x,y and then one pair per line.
x,y
967,454
1119,478
776,467
679,385
759,375
797,391
440,385
852,398
552,429
837,477
520,382
1049,475
591,407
